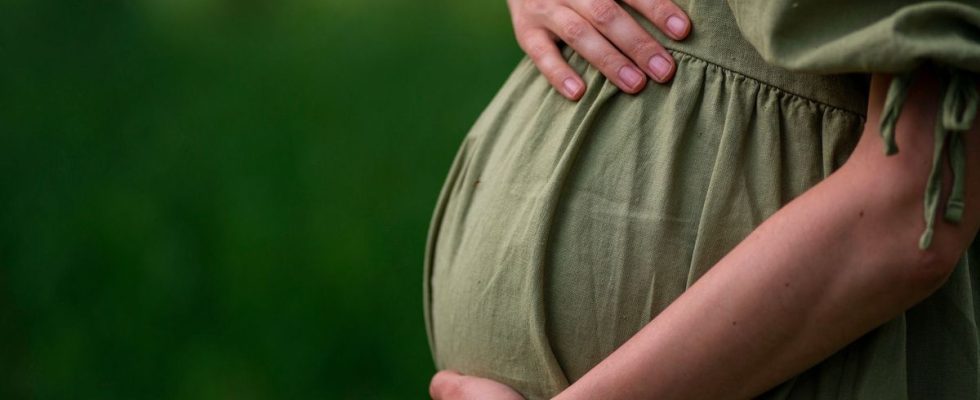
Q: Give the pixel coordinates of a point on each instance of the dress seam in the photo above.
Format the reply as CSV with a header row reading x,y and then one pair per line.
x,y
764,84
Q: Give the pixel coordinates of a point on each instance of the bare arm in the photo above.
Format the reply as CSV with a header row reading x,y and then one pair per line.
x,y
830,266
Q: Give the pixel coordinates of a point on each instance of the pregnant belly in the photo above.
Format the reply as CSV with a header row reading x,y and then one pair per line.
x,y
535,280
563,228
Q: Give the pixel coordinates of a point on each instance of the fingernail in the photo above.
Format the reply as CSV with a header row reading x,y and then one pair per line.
x,y
630,75
572,87
660,66
676,25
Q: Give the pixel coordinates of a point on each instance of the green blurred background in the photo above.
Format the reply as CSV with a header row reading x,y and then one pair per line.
x,y
228,198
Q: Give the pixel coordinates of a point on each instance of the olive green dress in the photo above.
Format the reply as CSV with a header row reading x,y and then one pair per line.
x,y
564,227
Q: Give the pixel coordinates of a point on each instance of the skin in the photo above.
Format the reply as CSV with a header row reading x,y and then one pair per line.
x,y
603,33
449,385
841,260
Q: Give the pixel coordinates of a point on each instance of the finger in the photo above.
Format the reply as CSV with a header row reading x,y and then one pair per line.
x,y
444,385
545,55
581,36
626,34
665,15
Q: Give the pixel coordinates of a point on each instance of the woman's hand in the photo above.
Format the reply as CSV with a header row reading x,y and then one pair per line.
x,y
449,385
604,34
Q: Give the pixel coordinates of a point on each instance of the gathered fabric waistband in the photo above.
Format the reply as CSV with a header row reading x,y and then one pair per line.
x,y
715,38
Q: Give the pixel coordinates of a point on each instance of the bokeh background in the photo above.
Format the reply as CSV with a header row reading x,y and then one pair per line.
x,y
206,199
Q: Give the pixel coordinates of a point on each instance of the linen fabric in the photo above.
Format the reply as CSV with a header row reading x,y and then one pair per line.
x,y
564,227
883,36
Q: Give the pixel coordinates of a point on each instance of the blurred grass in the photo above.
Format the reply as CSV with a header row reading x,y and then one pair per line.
x,y
228,198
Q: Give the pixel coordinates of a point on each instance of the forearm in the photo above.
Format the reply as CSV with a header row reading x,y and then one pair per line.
x,y
827,268
781,301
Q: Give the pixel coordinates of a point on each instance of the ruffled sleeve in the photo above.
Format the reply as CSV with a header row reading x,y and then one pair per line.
x,y
889,36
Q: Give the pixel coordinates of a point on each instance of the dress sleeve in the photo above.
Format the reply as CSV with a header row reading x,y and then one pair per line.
x,y
886,36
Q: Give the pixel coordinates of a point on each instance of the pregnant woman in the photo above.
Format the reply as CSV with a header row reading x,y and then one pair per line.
x,y
791,214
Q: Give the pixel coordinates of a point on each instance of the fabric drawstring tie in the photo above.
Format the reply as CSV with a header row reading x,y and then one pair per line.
x,y
956,116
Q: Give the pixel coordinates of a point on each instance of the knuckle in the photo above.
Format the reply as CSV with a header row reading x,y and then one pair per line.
x,y
554,73
641,46
574,30
537,7
549,68
662,8
609,61
604,12
536,50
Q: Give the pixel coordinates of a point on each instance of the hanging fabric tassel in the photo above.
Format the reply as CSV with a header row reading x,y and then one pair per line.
x,y
956,115
934,185
898,91
959,111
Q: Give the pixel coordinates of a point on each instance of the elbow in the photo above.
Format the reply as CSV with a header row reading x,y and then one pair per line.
x,y
888,244
924,270
895,232
895,187
929,269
